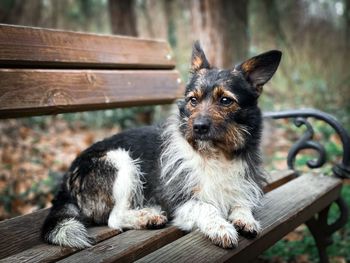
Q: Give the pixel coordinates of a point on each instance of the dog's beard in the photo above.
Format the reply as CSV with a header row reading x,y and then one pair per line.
x,y
204,145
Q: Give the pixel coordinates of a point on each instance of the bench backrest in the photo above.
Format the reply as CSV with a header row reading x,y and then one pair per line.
x,y
46,71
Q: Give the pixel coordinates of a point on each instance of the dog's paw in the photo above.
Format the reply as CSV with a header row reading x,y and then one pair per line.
x,y
224,236
149,218
248,228
156,221
115,223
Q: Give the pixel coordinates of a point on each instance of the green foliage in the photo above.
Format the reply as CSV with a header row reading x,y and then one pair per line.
x,y
288,250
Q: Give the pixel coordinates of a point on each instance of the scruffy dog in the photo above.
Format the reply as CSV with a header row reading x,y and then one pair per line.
x,y
202,167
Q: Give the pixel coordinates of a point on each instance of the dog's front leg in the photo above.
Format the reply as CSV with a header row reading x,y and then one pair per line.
x,y
243,220
208,219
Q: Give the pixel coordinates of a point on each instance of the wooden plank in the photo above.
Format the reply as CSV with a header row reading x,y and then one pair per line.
x,y
127,247
20,233
23,232
37,47
282,210
49,253
22,243
277,178
28,92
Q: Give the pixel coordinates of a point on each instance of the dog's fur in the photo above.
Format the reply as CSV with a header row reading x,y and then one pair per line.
x,y
202,167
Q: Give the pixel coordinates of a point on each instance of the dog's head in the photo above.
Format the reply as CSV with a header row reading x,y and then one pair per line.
x,y
219,109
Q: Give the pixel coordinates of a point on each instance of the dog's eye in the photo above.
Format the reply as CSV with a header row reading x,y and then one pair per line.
x,y
226,101
193,101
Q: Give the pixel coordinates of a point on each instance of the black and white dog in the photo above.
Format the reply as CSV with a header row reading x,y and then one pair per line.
x,y
202,168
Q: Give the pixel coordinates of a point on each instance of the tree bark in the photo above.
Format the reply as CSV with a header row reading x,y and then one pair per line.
x,y
28,13
122,16
222,29
152,18
347,24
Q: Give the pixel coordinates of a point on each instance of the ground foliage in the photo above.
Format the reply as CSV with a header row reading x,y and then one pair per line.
x,y
33,159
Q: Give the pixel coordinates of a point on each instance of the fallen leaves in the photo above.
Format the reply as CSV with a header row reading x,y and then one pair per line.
x,y
296,235
33,159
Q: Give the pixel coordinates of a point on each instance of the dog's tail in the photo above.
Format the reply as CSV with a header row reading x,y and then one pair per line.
x,y
64,225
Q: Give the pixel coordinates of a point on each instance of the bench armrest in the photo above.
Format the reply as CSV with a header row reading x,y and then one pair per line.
x,y
342,169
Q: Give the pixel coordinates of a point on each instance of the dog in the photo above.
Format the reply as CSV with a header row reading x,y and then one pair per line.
x,y
202,169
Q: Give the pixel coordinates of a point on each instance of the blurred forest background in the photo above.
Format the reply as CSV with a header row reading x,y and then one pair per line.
x,y
314,36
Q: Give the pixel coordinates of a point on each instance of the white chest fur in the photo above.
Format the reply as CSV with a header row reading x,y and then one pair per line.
x,y
221,182
210,178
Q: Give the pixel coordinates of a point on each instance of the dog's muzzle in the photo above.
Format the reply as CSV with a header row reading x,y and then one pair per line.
x,y
201,126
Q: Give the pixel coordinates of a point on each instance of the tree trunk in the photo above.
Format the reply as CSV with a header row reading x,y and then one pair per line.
x,y
347,25
169,9
28,13
152,18
222,29
123,18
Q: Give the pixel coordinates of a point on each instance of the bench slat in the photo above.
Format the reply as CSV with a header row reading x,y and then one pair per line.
x,y
49,253
127,247
282,210
28,92
37,47
20,233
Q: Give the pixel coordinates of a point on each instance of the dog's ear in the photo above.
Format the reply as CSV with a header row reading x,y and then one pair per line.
x,y
259,70
198,60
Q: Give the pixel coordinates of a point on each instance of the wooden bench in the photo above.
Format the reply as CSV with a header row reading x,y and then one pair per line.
x,y
48,72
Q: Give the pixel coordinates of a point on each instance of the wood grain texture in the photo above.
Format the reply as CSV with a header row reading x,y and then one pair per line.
x,y
127,247
38,47
278,178
20,233
282,210
28,92
49,253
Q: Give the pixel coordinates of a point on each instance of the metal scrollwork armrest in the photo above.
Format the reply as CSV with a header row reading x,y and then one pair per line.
x,y
318,225
342,169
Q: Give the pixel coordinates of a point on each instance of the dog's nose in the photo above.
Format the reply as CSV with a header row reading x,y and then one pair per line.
x,y
201,125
